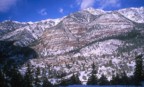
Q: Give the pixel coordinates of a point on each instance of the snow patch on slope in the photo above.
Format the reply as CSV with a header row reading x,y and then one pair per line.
x,y
100,48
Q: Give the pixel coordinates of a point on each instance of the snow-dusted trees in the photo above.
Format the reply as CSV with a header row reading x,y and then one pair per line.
x,y
103,80
28,78
11,77
92,80
125,80
73,80
143,75
38,77
46,83
115,80
2,79
16,78
120,79
138,70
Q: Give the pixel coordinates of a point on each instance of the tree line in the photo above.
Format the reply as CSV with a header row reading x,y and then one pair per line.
x,y
13,78
121,79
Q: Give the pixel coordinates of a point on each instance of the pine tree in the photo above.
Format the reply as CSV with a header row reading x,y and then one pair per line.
x,y
124,79
37,80
46,83
138,70
65,82
7,74
92,80
131,80
74,80
143,75
94,71
115,80
28,78
103,80
112,81
16,78
143,72
2,79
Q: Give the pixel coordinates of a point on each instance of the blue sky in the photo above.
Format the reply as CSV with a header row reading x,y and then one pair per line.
x,y
35,10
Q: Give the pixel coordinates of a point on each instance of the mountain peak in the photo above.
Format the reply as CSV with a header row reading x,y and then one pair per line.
x,y
95,11
134,14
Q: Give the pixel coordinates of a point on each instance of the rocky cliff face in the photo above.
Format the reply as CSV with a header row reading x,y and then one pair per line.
x,y
111,40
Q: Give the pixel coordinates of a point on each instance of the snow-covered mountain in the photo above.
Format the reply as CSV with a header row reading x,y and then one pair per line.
x,y
134,14
24,33
109,39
